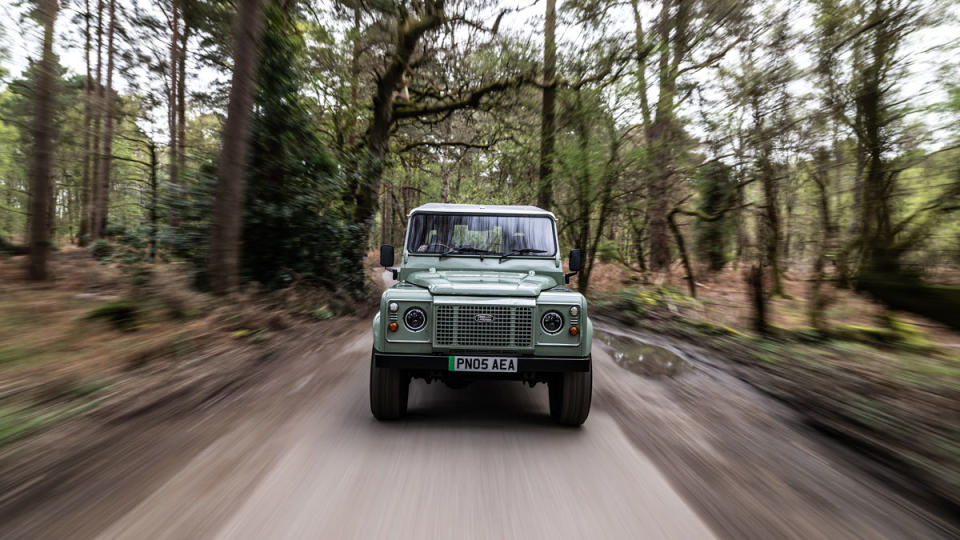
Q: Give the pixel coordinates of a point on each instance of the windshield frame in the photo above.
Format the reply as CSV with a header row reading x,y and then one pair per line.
x,y
494,256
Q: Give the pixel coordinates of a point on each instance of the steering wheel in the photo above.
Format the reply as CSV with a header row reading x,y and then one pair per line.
x,y
431,248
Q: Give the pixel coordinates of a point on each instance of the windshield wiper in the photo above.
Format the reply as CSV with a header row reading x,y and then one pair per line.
x,y
524,251
464,250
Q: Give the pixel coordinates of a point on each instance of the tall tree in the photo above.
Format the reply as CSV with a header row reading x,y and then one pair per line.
x,y
223,264
717,188
182,91
548,114
688,36
41,186
172,108
108,104
97,111
84,229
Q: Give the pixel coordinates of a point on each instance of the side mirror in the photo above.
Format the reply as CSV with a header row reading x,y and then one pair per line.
x,y
386,259
576,260
386,256
575,264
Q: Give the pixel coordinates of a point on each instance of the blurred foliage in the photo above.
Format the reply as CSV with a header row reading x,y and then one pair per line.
x,y
101,249
717,190
10,248
292,229
608,251
121,314
652,301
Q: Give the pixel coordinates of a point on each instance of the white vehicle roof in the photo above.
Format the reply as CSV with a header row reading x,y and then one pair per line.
x,y
443,208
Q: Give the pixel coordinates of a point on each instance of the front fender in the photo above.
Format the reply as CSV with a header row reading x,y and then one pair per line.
x,y
377,333
588,337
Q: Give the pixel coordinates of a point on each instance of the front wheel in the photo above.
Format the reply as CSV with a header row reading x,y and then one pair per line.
x,y
570,395
389,389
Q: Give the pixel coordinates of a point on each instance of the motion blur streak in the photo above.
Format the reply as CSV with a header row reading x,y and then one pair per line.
x,y
485,463
675,450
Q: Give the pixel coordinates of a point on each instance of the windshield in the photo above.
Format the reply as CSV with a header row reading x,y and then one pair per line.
x,y
462,234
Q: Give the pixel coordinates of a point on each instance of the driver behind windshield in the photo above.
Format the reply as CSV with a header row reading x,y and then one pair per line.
x,y
435,240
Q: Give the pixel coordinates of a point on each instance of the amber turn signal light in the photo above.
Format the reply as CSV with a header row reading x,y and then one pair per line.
x,y
393,327
573,330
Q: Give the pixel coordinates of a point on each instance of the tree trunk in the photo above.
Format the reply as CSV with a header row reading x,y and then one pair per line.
x,y
548,114
583,194
225,227
771,219
445,165
610,179
682,248
818,300
97,109
660,138
102,186
386,215
370,161
172,109
153,201
87,122
40,182
657,204
182,100
637,231
757,298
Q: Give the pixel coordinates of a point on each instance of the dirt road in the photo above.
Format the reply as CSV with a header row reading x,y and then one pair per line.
x,y
666,453
482,463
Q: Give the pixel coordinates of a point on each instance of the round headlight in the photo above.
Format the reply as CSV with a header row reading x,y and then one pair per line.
x,y
574,311
393,307
415,319
552,322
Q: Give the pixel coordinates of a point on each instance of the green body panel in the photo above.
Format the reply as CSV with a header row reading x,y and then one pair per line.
x,y
480,282
426,281
415,264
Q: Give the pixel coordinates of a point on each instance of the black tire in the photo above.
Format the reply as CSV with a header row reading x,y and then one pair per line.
x,y
389,390
570,396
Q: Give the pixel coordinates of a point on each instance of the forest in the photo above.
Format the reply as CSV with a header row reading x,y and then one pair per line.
x,y
267,141
192,193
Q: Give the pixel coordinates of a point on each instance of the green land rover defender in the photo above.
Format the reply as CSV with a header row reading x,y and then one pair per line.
x,y
481,294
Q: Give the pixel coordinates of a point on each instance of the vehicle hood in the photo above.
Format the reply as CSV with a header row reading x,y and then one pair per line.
x,y
452,282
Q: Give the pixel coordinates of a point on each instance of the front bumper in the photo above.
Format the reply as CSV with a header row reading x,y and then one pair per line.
x,y
441,362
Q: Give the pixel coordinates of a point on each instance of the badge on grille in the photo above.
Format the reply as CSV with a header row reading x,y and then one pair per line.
x,y
483,317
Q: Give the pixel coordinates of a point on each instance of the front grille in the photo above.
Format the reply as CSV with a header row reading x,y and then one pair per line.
x,y
492,327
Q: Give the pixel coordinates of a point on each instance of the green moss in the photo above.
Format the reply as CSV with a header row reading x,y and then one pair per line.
x,y
642,302
15,354
324,313
811,335
121,314
711,328
17,422
766,357
908,334
864,334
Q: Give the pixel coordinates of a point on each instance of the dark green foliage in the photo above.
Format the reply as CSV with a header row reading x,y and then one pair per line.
x,y
608,251
292,225
908,293
10,248
101,249
193,204
717,191
121,314
115,230
133,254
